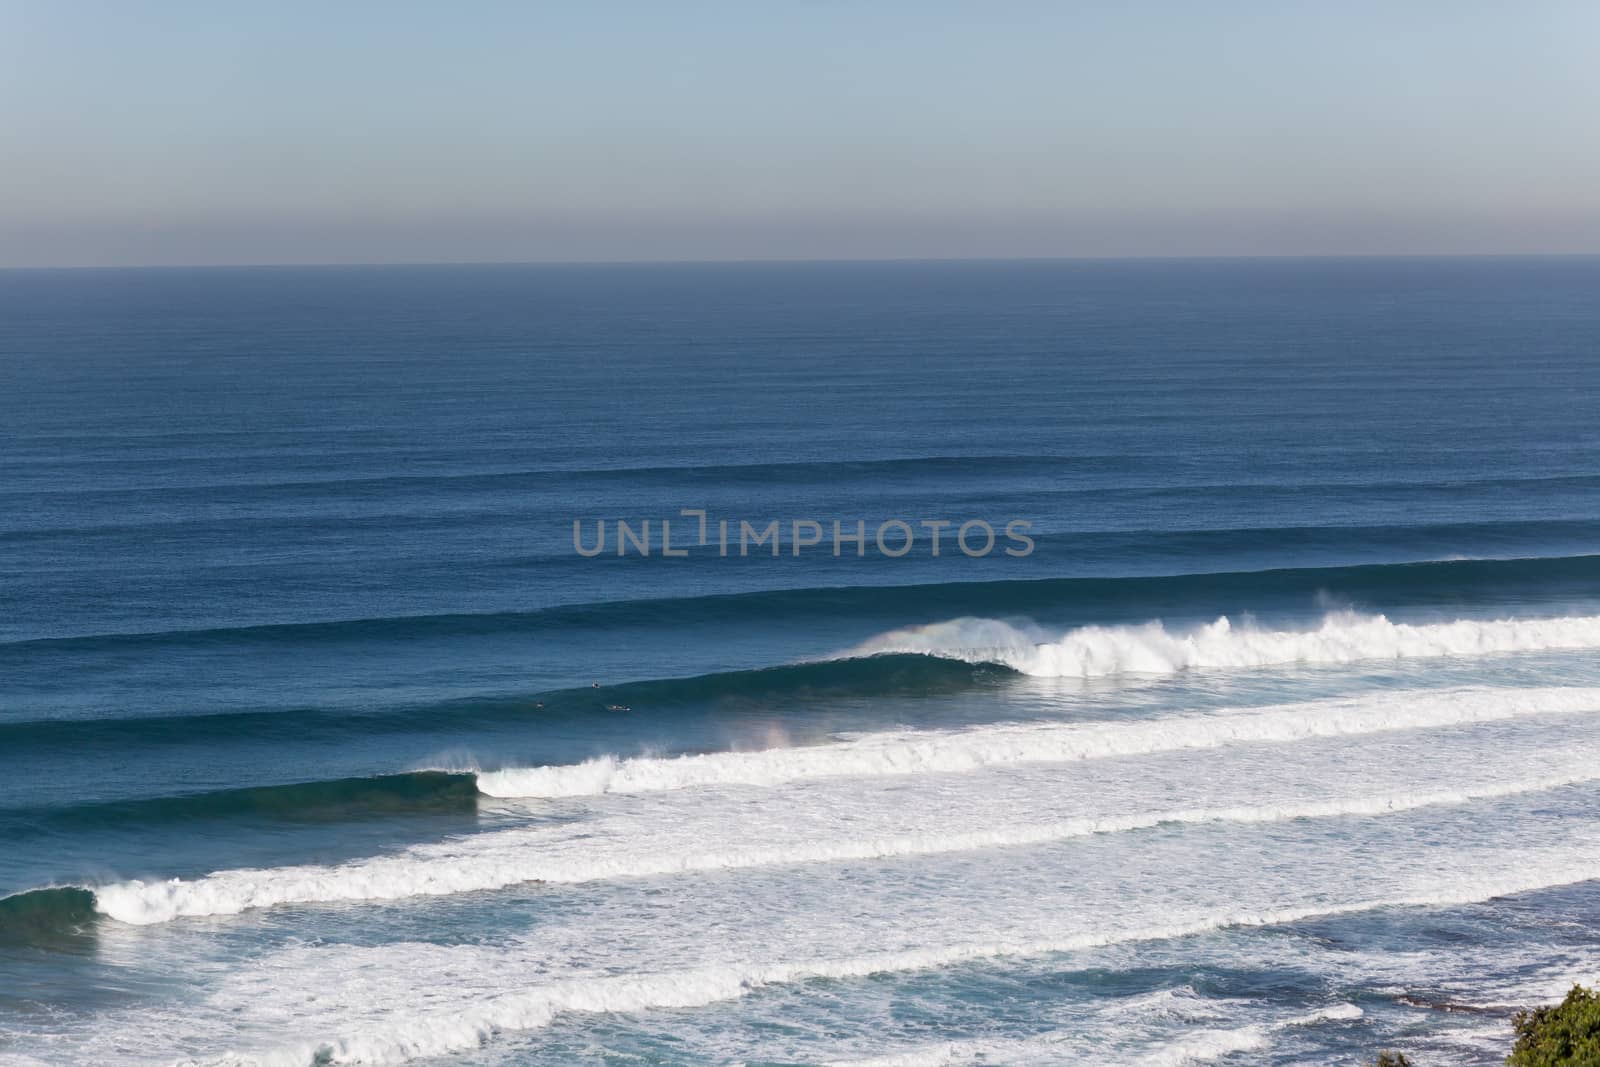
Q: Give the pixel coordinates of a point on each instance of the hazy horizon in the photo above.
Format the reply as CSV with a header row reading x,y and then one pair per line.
x,y
182,135
402,264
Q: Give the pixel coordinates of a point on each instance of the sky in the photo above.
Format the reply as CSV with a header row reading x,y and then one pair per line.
x,y
347,131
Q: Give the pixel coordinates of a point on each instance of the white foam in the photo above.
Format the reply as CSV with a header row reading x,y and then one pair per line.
x,y
924,752
471,1025
1341,637
499,859
1335,1013
1047,1048
1069,1046
1208,1045
944,1054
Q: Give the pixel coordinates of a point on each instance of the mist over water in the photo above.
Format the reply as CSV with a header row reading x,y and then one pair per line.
x,y
319,743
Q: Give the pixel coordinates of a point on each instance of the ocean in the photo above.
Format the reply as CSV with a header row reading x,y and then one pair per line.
x,y
463,665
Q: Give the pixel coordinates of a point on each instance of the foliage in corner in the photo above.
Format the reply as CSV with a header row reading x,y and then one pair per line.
x,y
1563,1035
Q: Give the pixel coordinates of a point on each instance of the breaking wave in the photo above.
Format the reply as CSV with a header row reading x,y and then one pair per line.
x,y
407,793
923,752
512,857
1342,637
473,1026
53,917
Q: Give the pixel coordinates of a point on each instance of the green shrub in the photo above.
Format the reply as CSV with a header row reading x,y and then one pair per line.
x,y
1564,1035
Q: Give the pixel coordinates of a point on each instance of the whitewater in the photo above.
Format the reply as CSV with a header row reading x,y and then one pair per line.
x,y
1007,786
485,1016
320,744
923,752
495,861
1152,648
1067,1047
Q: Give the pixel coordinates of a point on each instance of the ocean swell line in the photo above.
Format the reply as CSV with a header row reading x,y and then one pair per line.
x,y
1341,637
932,752
499,859
472,1027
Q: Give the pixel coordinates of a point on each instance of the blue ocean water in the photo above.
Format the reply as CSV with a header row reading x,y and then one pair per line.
x,y
322,742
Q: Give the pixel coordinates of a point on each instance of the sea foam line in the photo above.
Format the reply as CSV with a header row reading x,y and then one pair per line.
x,y
1341,637
472,1026
956,751
1199,1046
499,859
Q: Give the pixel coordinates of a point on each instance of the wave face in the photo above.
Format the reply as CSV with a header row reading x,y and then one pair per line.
x,y
726,638
58,917
1342,637
841,820
346,799
514,858
930,752
1442,583
320,743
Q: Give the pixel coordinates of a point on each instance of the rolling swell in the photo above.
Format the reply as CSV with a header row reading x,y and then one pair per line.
x,y
957,654
58,917
62,918
950,656
880,676
1438,584
497,860
960,751
414,793
909,675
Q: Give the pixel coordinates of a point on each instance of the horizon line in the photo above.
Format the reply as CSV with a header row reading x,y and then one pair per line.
x,y
795,261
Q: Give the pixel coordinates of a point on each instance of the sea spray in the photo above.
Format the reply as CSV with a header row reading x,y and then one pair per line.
x,y
954,751
1152,648
511,857
472,1025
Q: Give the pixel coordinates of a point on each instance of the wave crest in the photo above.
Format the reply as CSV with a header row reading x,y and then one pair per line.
x,y
496,861
1341,637
446,1032
958,751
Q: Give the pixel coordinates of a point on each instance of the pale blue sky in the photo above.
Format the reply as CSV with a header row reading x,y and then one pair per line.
x,y
301,132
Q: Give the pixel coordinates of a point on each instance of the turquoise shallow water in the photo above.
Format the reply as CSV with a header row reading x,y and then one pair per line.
x,y
319,742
